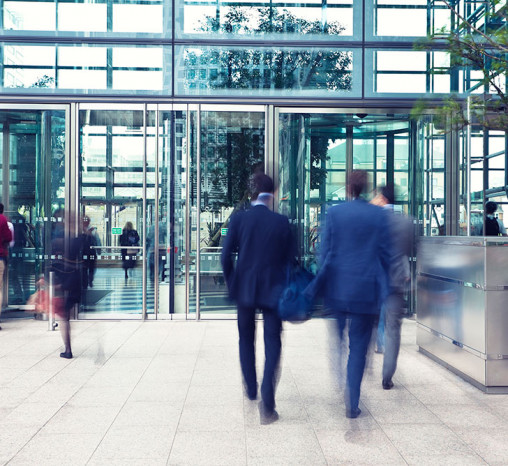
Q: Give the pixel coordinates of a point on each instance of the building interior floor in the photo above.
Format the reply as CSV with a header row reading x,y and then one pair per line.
x,y
170,392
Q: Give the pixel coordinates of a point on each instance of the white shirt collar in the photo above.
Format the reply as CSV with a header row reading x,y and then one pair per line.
x,y
263,199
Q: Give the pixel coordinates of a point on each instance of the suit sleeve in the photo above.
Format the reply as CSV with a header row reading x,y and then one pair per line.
x,y
386,251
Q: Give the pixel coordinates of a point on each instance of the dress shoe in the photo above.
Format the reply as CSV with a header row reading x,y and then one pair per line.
x,y
387,384
353,413
267,416
66,355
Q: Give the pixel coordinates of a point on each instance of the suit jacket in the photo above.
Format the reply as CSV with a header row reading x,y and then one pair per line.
x,y
356,254
403,233
265,247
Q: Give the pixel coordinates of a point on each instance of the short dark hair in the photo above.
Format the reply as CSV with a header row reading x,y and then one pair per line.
x,y
490,207
388,192
1,208
357,182
261,183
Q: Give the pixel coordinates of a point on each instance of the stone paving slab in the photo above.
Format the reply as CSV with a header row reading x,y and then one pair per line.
x,y
170,393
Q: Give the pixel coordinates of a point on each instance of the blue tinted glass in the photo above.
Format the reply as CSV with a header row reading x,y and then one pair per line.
x,y
86,68
145,16
391,72
289,19
266,71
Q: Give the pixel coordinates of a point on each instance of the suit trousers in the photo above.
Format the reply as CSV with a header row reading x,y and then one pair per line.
x,y
360,332
247,333
394,308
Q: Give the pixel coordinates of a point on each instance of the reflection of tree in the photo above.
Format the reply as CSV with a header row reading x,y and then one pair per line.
x,y
318,156
287,68
229,157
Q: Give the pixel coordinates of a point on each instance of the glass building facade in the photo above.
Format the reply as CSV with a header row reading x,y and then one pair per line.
x,y
157,112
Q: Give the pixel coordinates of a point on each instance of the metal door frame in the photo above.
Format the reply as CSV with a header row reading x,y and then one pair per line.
x,y
6,155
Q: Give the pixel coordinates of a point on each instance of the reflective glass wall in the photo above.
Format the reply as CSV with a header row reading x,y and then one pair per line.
x,y
338,49
34,188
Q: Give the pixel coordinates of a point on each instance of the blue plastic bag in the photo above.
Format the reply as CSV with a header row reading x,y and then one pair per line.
x,y
293,305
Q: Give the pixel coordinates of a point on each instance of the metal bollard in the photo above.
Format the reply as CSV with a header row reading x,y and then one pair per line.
x,y
51,294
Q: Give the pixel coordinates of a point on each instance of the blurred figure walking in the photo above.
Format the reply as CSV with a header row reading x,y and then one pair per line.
x,y
67,267
265,247
91,249
403,239
356,255
129,240
5,239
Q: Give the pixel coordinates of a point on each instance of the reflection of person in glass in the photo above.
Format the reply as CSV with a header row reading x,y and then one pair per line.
x,y
493,225
18,277
91,242
129,240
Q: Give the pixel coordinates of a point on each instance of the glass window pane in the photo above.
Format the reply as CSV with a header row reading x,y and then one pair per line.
x,y
82,56
82,79
138,80
137,57
401,22
83,67
34,16
401,83
91,17
272,71
137,18
269,19
29,78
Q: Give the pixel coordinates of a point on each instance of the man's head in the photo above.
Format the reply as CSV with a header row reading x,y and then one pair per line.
x,y
1,208
385,195
490,207
261,183
357,183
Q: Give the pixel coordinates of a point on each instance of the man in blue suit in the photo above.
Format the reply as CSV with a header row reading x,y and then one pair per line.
x,y
264,245
356,255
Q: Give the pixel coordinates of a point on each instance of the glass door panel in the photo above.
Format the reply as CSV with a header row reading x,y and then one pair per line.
x,y
166,244
111,189
33,193
232,148
381,147
316,153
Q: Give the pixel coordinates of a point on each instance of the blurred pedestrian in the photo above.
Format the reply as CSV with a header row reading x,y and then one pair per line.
x,y
493,226
67,267
403,235
356,254
5,239
129,240
91,249
265,247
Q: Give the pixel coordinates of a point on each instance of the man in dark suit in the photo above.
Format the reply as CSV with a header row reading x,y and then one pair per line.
x,y
264,245
403,233
356,254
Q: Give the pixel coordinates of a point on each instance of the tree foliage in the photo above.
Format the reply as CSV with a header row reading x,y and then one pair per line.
x,y
273,68
476,42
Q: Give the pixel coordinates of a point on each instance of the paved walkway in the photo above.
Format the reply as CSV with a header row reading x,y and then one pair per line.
x,y
159,393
